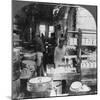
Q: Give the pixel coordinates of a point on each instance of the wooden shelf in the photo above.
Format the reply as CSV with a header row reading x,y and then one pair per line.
x,y
85,45
84,32
63,76
89,45
74,56
89,82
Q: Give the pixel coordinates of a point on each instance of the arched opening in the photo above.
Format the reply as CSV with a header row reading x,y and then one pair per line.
x,y
85,19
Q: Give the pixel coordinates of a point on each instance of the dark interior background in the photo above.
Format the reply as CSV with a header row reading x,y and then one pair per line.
x,y
46,8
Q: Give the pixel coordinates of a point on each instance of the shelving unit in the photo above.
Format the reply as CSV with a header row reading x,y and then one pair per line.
x,y
86,75
88,71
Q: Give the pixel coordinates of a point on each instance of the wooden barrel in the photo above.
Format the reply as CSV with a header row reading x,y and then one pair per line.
x,y
30,56
39,86
28,69
29,64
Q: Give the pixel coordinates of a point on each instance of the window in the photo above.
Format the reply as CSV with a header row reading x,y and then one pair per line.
x,y
51,30
42,29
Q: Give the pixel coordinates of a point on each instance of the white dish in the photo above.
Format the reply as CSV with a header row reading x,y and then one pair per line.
x,y
40,80
84,88
76,85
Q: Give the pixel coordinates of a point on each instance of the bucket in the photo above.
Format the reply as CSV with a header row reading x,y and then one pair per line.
x,y
58,86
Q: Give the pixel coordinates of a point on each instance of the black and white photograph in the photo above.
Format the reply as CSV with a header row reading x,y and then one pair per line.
x,y
54,50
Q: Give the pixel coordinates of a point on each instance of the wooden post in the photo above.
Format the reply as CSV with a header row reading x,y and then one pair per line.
x,y
79,40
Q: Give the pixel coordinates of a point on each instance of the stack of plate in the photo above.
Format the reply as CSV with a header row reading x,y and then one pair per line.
x,y
76,86
79,87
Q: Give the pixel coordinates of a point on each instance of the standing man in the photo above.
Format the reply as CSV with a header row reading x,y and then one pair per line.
x,y
59,52
39,49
